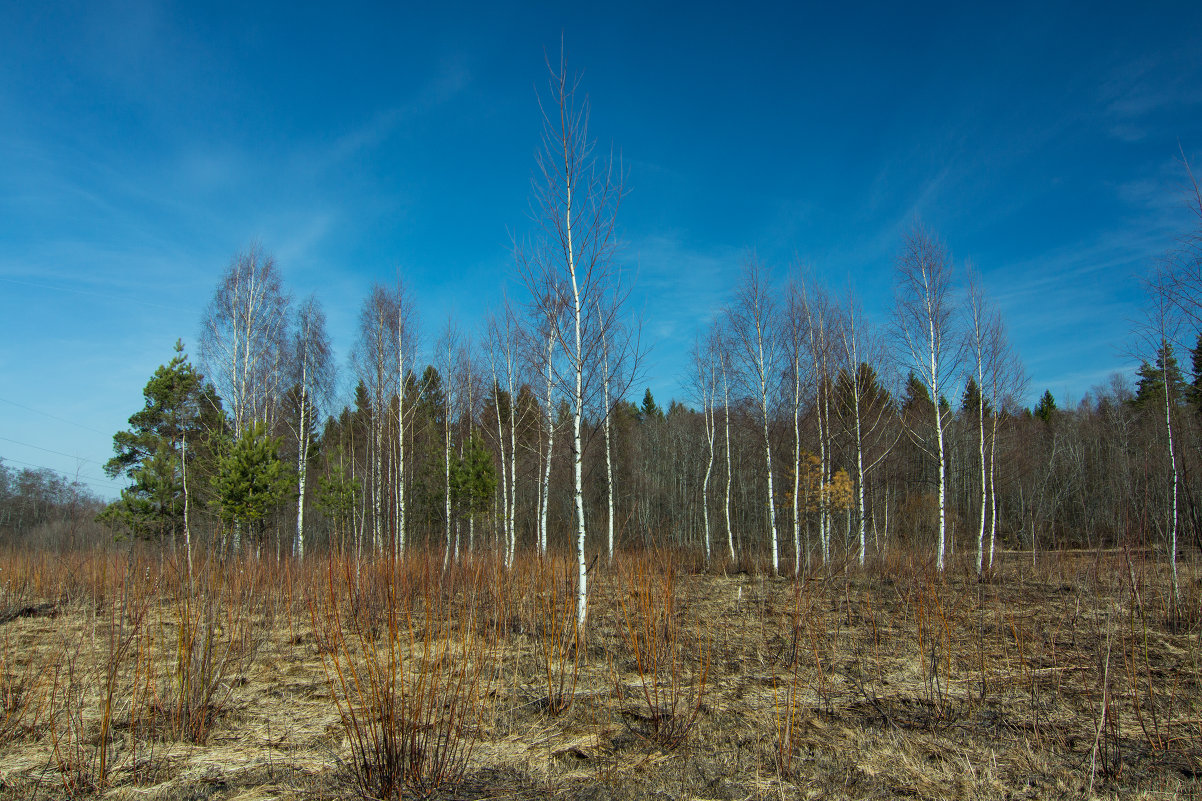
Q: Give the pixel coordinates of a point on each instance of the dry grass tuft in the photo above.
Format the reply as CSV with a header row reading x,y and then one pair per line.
x,y
329,679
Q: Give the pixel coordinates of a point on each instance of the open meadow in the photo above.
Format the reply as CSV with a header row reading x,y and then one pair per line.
x,y
123,677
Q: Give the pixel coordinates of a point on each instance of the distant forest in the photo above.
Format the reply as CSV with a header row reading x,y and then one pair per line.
x,y
810,437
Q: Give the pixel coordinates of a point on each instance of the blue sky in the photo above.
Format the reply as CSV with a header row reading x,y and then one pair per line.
x,y
143,144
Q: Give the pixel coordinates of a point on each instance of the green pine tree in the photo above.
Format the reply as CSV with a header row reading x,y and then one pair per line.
x,y
179,406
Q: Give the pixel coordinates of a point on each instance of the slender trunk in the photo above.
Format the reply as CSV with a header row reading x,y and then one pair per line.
x,y
855,388
609,464
400,431
827,458
446,449
377,478
511,523
504,498
187,527
992,489
546,478
768,462
609,483
984,478
709,468
302,464
1168,425
934,374
730,532
577,414
796,462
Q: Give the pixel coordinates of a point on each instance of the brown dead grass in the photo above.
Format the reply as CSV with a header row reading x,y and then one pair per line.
x,y
879,684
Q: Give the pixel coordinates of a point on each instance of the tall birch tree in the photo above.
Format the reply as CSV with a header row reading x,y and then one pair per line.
x,y
244,338
243,341
575,205
925,320
753,325
313,377
866,403
376,367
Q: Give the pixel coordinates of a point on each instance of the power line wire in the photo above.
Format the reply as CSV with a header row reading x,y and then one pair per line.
x,y
52,416
48,450
94,481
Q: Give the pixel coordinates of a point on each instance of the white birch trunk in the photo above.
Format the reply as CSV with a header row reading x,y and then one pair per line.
x,y
187,527
447,487
855,388
400,425
511,523
545,499
992,489
940,548
577,414
796,461
984,477
768,453
609,464
302,464
730,533
1168,424
709,465
503,534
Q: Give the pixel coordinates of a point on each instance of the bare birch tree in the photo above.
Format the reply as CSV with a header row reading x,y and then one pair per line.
x,y
817,318
405,338
243,340
376,368
313,374
925,320
504,336
753,323
984,326
444,357
795,333
571,265
866,402
707,353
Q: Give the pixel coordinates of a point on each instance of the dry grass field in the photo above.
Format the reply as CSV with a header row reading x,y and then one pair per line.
x,y
123,677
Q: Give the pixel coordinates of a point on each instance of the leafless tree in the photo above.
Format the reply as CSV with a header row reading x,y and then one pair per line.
x,y
313,377
376,368
405,341
504,341
984,327
244,337
865,401
1157,335
707,354
444,357
795,339
243,341
818,321
925,320
753,325
569,271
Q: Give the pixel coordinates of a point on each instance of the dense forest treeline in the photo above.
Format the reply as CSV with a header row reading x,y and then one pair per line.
x,y
476,466
810,437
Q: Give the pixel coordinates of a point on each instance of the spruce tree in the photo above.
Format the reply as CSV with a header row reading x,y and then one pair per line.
x,y
1046,407
251,479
